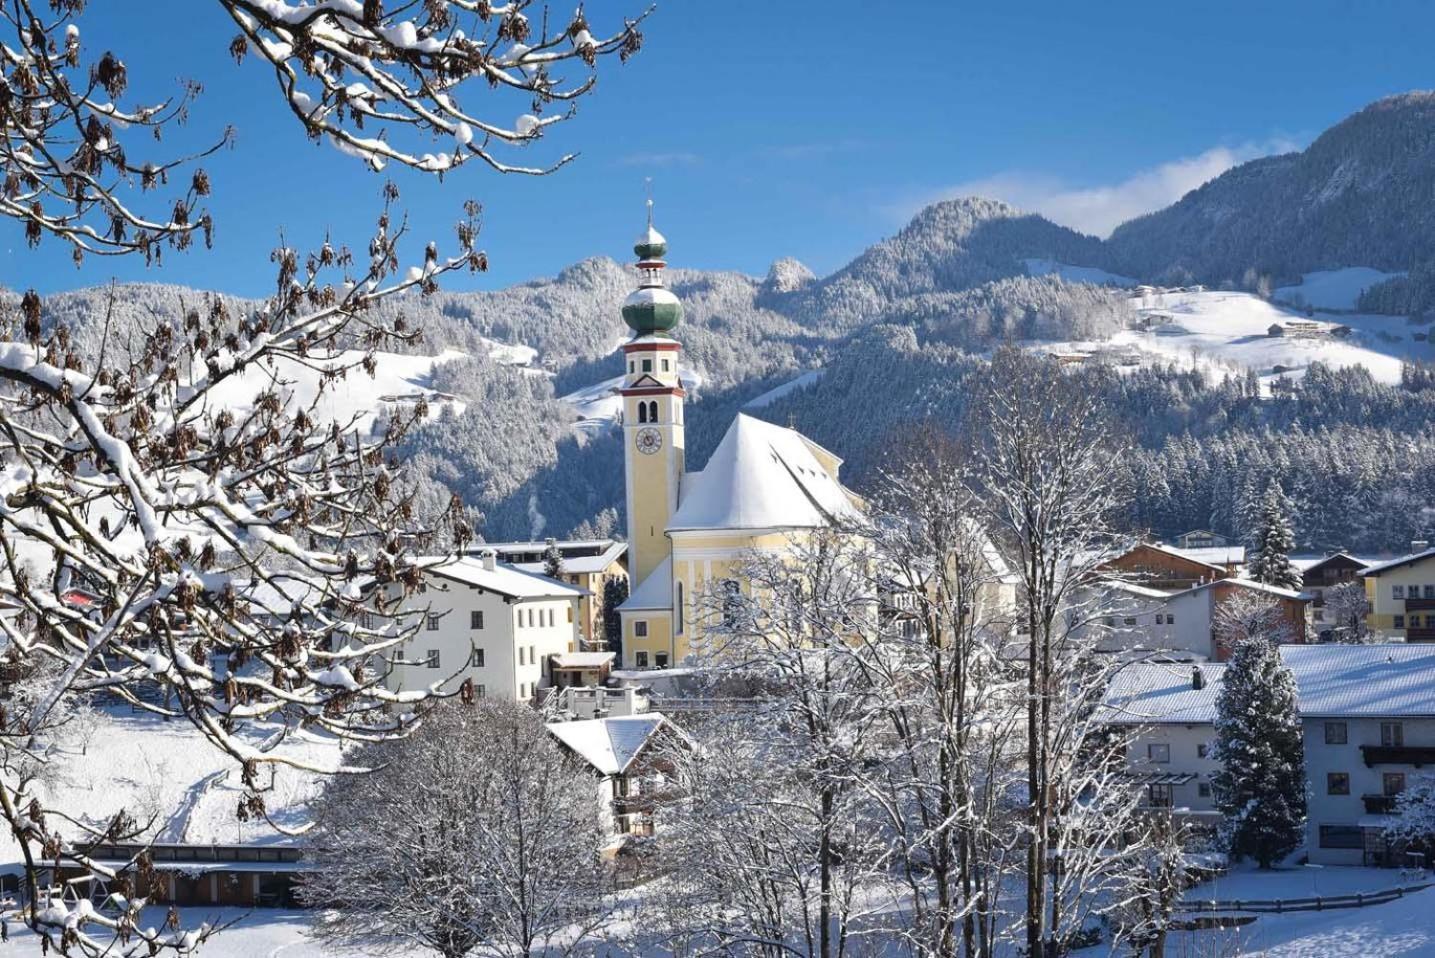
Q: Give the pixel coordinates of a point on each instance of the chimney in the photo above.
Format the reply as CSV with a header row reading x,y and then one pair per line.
x,y
1198,678
1419,545
490,559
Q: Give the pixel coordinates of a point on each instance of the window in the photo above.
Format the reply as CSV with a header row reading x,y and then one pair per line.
x,y
551,617
1392,734
431,658
630,366
1413,622
1160,796
1158,753
665,365
1109,620
432,623
653,411
475,619
640,630
1392,783
731,601
1129,620
1202,750
641,659
1397,591
1430,592
570,612
1337,783
647,365
1399,622
532,657
475,658
661,660
678,607
1335,733
642,412
1170,619
1342,836
480,691
1204,789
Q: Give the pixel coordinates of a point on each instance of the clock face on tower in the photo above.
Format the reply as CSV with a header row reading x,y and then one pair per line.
x,y
649,441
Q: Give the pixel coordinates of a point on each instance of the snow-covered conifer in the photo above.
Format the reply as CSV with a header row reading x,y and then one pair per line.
x,y
1272,540
1260,786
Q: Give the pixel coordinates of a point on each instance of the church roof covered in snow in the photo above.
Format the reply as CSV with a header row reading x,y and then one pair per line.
x,y
609,744
654,592
762,476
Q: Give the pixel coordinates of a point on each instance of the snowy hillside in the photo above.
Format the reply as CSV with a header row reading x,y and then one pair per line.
x,y
1333,288
776,393
1230,331
1075,274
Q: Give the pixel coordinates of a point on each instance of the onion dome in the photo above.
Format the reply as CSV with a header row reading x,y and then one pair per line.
x,y
651,309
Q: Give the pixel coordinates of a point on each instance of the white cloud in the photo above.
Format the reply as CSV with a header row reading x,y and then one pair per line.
x,y
1100,209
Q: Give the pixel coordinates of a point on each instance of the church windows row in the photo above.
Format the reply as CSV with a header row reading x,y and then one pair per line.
x,y
648,411
648,366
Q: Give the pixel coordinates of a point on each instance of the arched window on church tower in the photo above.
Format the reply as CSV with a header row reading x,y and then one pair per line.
x,y
642,412
653,411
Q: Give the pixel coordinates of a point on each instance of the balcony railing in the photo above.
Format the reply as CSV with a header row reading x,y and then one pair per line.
x,y
1417,755
1419,605
1420,635
1378,804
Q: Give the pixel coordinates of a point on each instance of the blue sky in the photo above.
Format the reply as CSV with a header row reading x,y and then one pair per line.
x,y
794,127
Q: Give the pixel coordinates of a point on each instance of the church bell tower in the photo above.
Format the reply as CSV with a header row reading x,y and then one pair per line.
x,y
652,407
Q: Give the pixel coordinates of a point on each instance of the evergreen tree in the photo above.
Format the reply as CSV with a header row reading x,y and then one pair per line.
x,y
1272,541
615,592
552,560
1260,786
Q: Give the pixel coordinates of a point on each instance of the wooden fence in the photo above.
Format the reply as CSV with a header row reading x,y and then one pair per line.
x,y
1318,903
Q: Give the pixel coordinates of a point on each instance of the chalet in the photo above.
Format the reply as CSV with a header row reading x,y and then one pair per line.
x,y
1320,577
632,760
1200,539
1184,625
1160,567
1401,596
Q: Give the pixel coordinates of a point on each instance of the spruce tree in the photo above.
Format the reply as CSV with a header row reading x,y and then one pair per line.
x,y
1260,786
1272,541
552,560
615,592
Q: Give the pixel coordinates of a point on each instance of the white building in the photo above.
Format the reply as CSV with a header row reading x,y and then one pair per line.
x,y
490,623
1170,708
1368,713
627,758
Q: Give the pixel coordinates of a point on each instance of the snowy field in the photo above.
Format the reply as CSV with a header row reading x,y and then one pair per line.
x,y
1227,332
777,392
1333,288
1075,274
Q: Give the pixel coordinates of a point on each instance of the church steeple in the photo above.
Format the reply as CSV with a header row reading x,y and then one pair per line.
x,y
653,444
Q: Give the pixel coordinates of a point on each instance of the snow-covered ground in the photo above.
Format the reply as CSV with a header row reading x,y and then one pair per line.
x,y
1075,274
1333,288
399,380
166,772
1224,332
777,392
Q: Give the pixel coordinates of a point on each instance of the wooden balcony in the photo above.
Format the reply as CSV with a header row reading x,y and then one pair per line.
x,y
1419,605
1417,755
1379,804
1420,635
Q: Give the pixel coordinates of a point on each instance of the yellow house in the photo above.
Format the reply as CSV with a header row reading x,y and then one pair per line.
x,y
1401,596
687,531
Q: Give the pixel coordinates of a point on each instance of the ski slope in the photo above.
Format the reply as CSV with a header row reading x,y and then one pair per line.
x,y
777,392
1075,274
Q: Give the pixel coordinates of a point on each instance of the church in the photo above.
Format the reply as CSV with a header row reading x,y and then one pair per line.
x,y
689,531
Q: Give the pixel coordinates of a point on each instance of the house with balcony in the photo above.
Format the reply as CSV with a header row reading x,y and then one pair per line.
x,y
1163,568
631,758
1369,717
1318,579
1185,625
588,564
1401,596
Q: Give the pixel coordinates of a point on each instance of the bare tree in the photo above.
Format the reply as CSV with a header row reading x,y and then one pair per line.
x,y
477,836
773,818
1041,455
388,83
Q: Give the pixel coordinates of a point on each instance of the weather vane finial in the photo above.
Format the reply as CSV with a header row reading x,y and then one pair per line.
x,y
648,181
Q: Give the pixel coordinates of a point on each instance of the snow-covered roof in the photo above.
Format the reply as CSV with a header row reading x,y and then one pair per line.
x,y
1274,590
762,476
609,744
1380,567
1136,589
654,592
582,565
583,660
1363,680
502,579
1213,555
1161,694
1305,564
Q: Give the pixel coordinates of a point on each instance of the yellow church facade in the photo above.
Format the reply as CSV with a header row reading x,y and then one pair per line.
x,y
689,532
